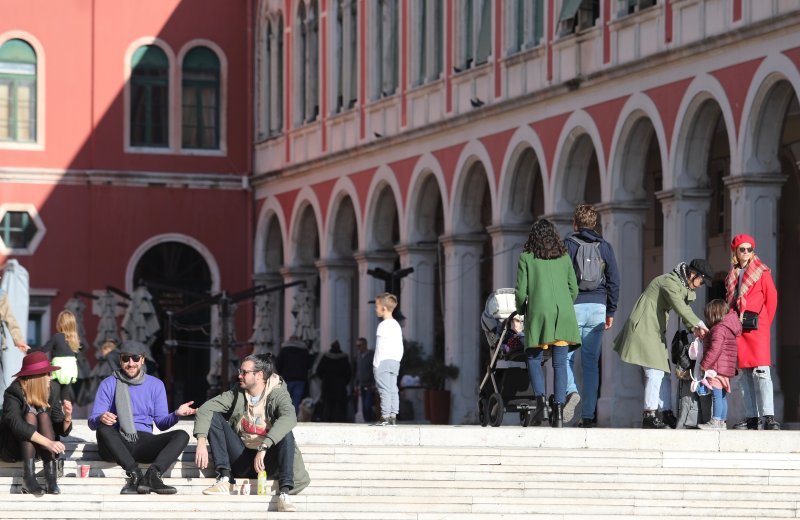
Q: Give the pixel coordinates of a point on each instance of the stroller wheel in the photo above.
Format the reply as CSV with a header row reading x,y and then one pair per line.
x,y
496,409
483,411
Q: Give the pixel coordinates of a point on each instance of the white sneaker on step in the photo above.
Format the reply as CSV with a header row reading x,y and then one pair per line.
x,y
285,504
221,487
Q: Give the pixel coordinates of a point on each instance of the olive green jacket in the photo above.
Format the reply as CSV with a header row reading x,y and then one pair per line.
x,y
550,287
279,410
642,340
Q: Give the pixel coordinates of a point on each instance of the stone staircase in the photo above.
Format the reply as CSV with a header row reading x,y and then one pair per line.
x,y
422,472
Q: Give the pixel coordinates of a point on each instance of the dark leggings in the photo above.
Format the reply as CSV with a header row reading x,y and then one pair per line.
x,y
29,449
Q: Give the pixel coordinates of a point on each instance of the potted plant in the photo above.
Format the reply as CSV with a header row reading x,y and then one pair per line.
x,y
434,374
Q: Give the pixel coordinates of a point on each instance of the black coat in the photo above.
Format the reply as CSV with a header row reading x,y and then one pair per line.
x,y
14,428
293,363
334,371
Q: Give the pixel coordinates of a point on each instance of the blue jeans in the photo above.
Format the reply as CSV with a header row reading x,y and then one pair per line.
x,y
756,386
719,404
559,372
231,456
657,390
296,390
386,381
591,324
367,402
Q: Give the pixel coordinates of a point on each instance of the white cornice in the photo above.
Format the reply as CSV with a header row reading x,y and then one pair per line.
x,y
123,178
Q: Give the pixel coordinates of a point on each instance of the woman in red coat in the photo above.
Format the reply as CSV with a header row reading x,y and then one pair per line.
x,y
750,287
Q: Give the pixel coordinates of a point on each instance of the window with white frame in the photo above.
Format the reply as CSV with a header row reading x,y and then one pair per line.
x,y
21,229
272,76
345,49
627,7
383,48
200,99
17,92
149,88
524,24
474,24
427,41
307,72
577,15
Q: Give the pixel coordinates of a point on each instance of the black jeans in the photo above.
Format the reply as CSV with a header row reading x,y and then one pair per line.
x,y
230,454
159,450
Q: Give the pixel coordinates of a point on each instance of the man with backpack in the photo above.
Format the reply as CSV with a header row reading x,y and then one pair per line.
x,y
598,293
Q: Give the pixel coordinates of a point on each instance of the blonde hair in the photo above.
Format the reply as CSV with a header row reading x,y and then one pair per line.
x,y
36,389
67,325
715,311
388,300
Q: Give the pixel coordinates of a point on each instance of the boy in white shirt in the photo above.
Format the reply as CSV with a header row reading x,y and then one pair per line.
x,y
386,363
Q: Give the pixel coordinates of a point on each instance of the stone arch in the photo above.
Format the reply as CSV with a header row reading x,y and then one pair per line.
x,y
774,84
305,245
270,217
384,212
344,192
182,238
579,146
522,167
342,233
702,105
468,195
427,190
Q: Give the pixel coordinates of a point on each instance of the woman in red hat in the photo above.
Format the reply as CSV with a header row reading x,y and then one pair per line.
x,y
749,287
32,418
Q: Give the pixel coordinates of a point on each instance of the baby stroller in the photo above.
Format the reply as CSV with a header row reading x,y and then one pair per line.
x,y
506,387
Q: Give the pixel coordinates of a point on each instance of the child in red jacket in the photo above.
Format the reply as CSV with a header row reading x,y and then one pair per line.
x,y
719,359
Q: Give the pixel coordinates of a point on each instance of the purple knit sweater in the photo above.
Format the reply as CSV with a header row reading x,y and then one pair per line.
x,y
148,400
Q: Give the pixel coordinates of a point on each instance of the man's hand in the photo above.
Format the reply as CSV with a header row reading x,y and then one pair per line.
x,y
24,348
186,409
55,447
67,406
201,453
108,418
609,322
258,462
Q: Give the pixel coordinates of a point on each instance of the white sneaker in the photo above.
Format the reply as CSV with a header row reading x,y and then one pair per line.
x,y
221,487
285,504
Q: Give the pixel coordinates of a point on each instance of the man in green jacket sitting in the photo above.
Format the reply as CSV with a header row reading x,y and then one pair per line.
x,y
250,430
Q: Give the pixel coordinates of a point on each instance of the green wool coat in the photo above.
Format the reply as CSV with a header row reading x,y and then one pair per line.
x,y
550,287
642,340
280,412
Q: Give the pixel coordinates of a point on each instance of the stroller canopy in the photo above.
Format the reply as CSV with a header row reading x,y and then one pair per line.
x,y
499,306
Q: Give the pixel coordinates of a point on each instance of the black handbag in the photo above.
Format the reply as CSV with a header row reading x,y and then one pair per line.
x,y
750,320
680,350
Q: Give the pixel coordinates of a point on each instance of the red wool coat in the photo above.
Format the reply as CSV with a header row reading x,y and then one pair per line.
x,y
754,345
720,348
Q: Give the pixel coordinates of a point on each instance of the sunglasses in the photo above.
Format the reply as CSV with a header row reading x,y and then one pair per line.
x,y
245,372
128,357
745,249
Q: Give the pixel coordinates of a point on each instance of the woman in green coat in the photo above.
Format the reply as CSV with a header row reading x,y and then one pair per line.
x,y
642,340
546,280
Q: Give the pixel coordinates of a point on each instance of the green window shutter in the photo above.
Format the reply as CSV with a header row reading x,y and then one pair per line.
x,y
200,99
484,48
149,111
17,51
17,91
569,9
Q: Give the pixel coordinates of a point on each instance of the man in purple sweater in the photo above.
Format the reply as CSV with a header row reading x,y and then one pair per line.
x,y
127,404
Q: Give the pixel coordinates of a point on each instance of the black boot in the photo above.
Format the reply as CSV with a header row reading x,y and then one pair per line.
x,y
51,477
650,421
152,482
557,415
29,483
539,413
751,423
668,418
770,423
132,484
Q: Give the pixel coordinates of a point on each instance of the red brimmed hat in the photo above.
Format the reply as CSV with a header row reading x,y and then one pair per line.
x,y
34,364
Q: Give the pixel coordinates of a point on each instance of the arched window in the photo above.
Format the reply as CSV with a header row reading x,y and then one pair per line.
x,y
307,77
200,99
384,49
17,92
149,97
475,28
427,41
524,24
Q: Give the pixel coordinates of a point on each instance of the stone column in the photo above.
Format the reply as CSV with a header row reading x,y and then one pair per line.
x,y
369,288
462,310
293,274
621,389
418,294
507,242
336,302
755,206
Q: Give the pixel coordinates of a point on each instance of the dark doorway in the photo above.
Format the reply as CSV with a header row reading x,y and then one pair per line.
x,y
177,276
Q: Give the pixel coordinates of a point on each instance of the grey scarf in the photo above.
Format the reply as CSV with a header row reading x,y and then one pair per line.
x,y
682,271
122,400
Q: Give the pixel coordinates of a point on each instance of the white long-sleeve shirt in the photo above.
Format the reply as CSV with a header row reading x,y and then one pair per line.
x,y
389,344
